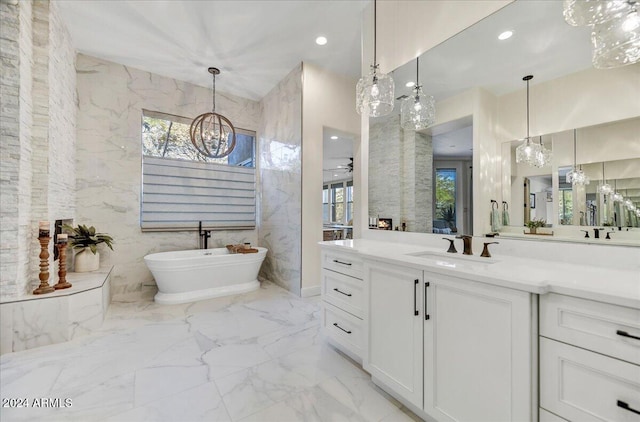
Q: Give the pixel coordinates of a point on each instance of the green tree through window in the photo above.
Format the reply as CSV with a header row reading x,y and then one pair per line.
x,y
446,196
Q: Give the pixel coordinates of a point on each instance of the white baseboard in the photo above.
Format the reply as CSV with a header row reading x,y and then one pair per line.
x,y
310,291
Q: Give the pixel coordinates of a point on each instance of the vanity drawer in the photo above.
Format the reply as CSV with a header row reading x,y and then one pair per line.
x,y
345,263
343,291
345,330
580,385
596,326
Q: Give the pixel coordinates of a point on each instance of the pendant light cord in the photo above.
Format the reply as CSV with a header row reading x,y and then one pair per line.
x,y
575,161
214,93
417,72
374,31
528,111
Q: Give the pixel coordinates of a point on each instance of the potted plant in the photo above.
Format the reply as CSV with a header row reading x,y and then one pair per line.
x,y
534,224
86,240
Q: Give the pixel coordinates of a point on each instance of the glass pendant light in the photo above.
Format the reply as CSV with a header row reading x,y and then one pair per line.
x,y
616,29
576,176
527,151
616,42
592,12
375,92
418,111
543,155
604,188
616,196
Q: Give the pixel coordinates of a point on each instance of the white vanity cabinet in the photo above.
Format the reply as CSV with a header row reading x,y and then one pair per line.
x,y
457,350
589,359
394,329
479,351
343,301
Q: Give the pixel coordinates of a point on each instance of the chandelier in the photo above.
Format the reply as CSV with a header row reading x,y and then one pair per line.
x,y
576,176
375,92
615,31
212,134
534,154
418,111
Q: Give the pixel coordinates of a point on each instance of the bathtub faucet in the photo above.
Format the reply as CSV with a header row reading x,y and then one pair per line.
x,y
204,236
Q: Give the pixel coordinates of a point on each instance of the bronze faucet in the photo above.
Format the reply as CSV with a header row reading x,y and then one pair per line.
x,y
467,240
485,251
452,247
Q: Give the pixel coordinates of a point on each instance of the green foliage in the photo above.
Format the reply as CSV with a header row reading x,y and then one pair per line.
x,y
86,237
448,214
535,223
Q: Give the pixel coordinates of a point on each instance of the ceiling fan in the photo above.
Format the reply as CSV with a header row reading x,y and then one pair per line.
x,y
347,168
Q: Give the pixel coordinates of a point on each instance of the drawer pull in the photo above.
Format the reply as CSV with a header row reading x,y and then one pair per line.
x,y
415,300
339,291
337,326
625,406
625,334
343,263
426,315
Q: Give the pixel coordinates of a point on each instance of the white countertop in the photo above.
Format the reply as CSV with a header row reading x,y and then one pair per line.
x,y
610,285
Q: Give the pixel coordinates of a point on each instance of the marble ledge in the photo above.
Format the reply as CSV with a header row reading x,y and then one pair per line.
x,y
81,282
40,320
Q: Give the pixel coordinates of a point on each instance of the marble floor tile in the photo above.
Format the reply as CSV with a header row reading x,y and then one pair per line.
x,y
258,356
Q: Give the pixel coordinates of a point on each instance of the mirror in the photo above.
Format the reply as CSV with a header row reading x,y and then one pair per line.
x,y
337,184
476,80
546,194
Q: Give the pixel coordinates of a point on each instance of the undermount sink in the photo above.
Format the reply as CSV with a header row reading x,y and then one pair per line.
x,y
453,260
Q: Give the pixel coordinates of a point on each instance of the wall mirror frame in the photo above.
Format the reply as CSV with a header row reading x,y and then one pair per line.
x,y
477,79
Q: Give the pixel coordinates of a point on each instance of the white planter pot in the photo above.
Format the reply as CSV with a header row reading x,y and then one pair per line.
x,y
86,261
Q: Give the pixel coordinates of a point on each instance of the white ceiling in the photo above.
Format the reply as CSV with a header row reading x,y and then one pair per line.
x,y
254,43
543,45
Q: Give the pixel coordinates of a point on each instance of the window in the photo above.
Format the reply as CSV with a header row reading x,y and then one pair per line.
x,y
566,206
325,203
446,196
337,202
181,187
349,201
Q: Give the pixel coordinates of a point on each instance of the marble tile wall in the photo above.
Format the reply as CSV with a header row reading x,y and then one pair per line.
x,y
280,202
108,160
38,180
400,174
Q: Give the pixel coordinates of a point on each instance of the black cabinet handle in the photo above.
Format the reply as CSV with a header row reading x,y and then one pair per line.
x,y
625,334
343,263
625,406
415,299
346,294
346,331
426,315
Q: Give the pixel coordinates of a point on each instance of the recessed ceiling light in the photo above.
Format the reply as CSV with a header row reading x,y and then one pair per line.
x,y
334,137
335,175
339,167
321,40
410,84
505,35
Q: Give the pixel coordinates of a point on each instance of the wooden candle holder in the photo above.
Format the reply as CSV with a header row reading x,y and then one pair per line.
x,y
44,267
62,267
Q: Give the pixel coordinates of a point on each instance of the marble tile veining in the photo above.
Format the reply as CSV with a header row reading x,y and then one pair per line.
x,y
259,356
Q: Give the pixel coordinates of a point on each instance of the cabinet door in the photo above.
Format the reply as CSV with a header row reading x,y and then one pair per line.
x,y
478,351
394,332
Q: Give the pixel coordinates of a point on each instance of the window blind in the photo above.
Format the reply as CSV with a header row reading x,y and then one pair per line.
x,y
177,194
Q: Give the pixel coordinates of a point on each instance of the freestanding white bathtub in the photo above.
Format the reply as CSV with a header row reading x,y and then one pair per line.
x,y
187,276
